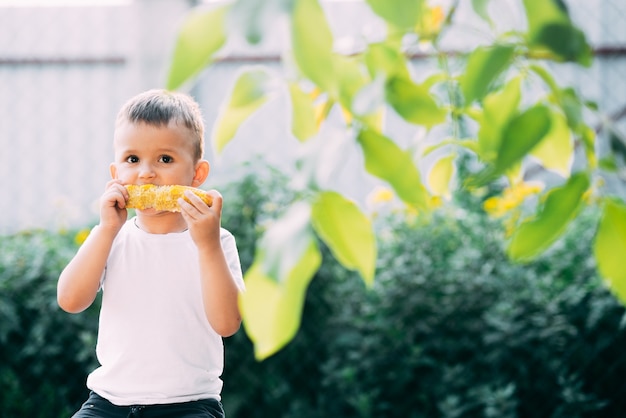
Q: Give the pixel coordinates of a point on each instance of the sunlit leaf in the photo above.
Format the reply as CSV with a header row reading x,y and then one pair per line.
x,y
480,8
385,59
499,108
440,175
414,102
350,79
272,311
385,160
484,65
609,247
519,137
284,242
201,35
348,233
250,91
312,43
403,14
303,123
561,205
469,144
556,150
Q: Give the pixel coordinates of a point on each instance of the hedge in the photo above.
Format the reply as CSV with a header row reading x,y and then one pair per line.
x,y
451,328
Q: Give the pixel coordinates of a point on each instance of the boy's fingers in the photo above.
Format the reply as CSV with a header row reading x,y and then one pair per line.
x,y
217,200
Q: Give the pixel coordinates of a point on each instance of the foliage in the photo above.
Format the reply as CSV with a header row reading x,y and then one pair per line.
x,y
499,100
45,352
451,327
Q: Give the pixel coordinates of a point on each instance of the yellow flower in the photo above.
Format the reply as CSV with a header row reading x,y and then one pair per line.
x,y
380,195
431,22
510,199
81,236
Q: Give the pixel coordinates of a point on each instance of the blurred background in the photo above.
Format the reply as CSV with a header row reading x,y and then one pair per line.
x,y
67,67
451,327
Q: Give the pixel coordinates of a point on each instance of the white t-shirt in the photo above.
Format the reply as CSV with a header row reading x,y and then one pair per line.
x,y
155,344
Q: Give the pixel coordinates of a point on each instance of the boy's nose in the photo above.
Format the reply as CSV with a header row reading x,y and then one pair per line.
x,y
146,171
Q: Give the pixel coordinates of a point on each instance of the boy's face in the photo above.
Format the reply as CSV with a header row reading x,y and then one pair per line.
x,y
160,155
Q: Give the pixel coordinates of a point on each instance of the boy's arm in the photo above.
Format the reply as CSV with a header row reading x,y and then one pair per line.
x,y
219,290
80,280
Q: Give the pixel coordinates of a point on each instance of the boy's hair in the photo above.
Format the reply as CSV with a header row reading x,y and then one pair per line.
x,y
160,107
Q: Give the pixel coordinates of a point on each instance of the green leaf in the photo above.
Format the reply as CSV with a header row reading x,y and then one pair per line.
x,y
348,233
484,65
556,150
469,144
499,108
248,94
284,242
480,8
201,35
561,205
566,41
385,59
414,102
350,79
609,247
272,311
549,26
519,137
540,12
403,14
312,43
573,108
385,160
303,124
440,175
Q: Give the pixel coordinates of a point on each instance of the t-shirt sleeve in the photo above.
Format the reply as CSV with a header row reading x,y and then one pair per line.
x,y
229,246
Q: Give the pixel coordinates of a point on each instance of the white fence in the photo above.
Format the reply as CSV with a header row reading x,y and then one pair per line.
x,y
64,72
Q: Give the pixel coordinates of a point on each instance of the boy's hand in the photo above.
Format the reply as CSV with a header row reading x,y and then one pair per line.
x,y
203,221
113,211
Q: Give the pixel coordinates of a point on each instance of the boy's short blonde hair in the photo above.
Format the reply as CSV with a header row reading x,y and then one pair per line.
x,y
160,107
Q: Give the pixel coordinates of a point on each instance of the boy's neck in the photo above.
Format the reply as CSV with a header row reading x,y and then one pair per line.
x,y
161,223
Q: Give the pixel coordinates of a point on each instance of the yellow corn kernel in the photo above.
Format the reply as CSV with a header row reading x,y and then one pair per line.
x,y
150,196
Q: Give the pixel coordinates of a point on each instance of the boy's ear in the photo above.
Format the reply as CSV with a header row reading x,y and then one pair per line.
x,y
113,170
201,173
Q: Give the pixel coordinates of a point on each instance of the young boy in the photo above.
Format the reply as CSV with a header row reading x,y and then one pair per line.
x,y
169,280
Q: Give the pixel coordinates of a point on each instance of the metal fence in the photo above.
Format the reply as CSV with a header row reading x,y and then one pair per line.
x,y
64,72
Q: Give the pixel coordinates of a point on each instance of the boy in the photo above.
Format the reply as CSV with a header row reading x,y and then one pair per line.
x,y
170,280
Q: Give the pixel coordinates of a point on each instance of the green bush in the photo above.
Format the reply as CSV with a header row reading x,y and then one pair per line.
x,y
45,351
451,328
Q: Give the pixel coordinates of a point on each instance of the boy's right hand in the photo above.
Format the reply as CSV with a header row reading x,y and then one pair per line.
x,y
113,211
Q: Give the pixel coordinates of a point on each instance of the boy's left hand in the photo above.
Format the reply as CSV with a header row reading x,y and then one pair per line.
x,y
203,221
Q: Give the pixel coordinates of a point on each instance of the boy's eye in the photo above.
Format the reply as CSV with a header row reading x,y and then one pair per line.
x,y
132,159
166,159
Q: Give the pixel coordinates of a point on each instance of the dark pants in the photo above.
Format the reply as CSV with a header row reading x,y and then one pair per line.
x,y
98,407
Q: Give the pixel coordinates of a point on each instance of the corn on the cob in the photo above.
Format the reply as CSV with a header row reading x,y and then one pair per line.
x,y
150,196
